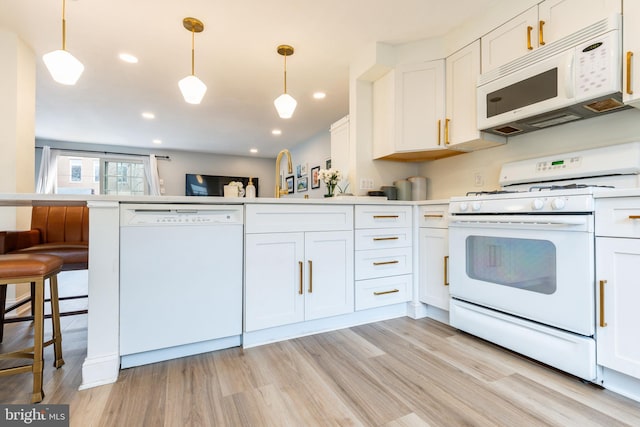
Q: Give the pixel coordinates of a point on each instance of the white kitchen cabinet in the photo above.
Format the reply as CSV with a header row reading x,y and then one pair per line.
x,y
631,51
618,289
461,124
383,255
293,274
408,113
434,256
540,25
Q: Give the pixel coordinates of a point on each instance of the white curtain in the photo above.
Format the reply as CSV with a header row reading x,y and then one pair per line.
x,y
151,172
48,170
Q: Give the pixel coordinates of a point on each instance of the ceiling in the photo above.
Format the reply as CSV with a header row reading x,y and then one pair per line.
x,y
235,56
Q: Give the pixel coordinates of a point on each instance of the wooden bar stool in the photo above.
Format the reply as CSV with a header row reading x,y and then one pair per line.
x,y
34,268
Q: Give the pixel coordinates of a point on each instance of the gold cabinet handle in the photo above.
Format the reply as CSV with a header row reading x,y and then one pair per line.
x,y
629,60
385,216
385,262
634,216
446,131
541,33
377,239
386,292
300,268
446,270
433,216
310,276
439,131
602,322
529,29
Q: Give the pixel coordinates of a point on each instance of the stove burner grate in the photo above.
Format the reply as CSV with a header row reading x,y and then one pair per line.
x,y
483,193
566,187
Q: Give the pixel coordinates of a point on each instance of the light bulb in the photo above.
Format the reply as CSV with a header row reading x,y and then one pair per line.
x,y
63,66
193,89
285,105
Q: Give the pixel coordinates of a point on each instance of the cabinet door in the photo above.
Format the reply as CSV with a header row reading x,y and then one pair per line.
x,y
434,280
559,18
617,263
510,41
463,69
631,46
329,289
419,106
384,95
274,288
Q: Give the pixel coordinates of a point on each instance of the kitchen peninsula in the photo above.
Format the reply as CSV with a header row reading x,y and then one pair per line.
x,y
313,219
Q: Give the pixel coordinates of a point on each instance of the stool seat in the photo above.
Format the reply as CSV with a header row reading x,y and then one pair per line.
x,y
33,268
27,265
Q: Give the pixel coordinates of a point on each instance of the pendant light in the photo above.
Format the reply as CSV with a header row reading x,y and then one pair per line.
x,y
63,66
192,88
285,104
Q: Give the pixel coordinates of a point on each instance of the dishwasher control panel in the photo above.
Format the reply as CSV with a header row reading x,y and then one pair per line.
x,y
148,215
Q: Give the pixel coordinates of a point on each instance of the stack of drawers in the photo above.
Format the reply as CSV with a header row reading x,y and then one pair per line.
x,y
383,255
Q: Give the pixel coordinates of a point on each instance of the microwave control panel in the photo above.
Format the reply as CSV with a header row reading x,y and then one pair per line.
x,y
595,70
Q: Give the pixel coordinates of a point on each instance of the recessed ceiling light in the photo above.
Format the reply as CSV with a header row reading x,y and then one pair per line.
x,y
276,132
148,115
319,95
253,150
157,141
127,57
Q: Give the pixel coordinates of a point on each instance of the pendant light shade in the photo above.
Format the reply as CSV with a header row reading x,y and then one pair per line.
x,y
192,88
285,104
62,65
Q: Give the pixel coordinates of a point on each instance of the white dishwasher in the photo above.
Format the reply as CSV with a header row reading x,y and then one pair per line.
x,y
180,280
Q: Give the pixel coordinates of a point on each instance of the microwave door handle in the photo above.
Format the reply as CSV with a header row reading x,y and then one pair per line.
x,y
569,77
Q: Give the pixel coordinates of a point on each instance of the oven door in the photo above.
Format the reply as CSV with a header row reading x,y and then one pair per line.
x,y
536,267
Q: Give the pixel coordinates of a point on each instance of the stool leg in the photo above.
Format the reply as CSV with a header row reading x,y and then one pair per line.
x,y
55,320
33,292
38,339
3,301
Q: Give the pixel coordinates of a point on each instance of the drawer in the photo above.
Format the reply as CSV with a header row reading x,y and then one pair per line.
x,y
291,218
385,291
376,216
618,217
374,238
433,216
376,263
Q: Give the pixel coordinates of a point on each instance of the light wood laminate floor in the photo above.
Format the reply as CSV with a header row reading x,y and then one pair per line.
x,y
400,372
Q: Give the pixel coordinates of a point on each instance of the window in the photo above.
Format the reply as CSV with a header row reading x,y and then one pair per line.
x,y
124,177
96,170
75,170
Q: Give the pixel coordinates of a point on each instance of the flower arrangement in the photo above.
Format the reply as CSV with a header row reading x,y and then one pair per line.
x,y
331,178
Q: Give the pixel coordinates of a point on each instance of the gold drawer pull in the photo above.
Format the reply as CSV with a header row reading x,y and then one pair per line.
x,y
446,131
386,292
634,216
385,262
439,133
377,239
529,29
310,276
602,322
629,61
541,33
446,270
385,216
300,267
434,216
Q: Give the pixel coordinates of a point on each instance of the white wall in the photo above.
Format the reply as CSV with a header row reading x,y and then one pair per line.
x,y
173,171
454,176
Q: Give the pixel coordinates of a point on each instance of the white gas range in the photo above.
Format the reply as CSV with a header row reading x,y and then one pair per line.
x,y
522,259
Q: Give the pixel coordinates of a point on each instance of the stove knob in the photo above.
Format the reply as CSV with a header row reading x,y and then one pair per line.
x,y
557,204
537,204
463,206
475,206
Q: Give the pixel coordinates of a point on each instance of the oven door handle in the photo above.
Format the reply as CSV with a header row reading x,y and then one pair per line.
x,y
507,221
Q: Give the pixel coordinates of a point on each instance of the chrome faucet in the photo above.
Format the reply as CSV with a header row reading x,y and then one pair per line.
x,y
282,191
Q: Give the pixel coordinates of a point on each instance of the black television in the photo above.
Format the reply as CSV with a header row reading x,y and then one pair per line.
x,y
212,185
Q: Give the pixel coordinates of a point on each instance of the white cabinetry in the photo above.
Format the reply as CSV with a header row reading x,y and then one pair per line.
x,y
460,124
434,256
383,266
292,273
617,260
631,46
545,23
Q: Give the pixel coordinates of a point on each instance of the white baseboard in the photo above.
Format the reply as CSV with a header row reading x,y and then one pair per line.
x,y
100,371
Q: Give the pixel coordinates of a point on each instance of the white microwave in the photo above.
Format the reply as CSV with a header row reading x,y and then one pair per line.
x,y
577,77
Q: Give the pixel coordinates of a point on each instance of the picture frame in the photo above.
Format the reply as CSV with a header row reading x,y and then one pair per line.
x,y
315,177
289,181
303,184
301,170
327,164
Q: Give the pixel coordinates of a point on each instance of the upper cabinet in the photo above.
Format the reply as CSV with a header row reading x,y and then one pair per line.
x,y
545,23
631,46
